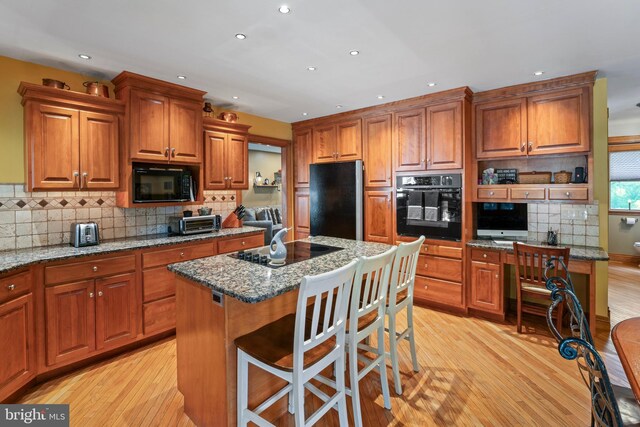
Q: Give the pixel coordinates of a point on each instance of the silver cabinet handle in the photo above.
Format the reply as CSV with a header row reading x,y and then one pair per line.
x,y
530,146
484,255
11,287
491,193
99,293
173,152
568,194
90,294
522,147
426,287
423,161
95,268
76,174
497,276
526,194
244,243
85,175
166,152
181,254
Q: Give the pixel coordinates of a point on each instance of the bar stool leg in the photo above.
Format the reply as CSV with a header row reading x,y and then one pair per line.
x,y
412,340
384,382
340,388
243,389
291,405
355,383
393,350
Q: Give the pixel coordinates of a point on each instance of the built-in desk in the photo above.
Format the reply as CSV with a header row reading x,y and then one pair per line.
x,y
487,259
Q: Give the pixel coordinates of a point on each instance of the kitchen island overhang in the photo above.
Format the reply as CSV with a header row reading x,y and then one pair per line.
x,y
219,299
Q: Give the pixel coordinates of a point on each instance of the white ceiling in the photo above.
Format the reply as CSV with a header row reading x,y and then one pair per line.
x,y
404,44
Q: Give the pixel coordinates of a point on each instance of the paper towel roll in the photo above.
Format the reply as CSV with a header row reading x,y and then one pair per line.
x,y
631,221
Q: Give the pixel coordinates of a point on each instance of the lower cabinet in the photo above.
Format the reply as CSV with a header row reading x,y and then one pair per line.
x,y
378,216
486,291
302,214
91,315
17,335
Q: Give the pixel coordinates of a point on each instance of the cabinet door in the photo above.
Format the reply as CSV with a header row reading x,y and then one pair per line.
x,y
149,126
53,143
324,144
185,128
486,287
17,336
349,144
560,122
70,321
501,128
237,160
378,216
410,140
99,151
214,163
115,310
302,213
444,136
377,151
303,148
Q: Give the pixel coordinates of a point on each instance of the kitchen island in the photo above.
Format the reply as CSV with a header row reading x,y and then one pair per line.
x,y
221,298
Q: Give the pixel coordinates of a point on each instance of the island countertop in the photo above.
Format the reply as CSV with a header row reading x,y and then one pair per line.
x,y
586,253
253,283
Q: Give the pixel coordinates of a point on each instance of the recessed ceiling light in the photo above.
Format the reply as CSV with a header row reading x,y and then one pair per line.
x,y
311,68
354,52
284,9
305,114
538,73
241,36
181,77
235,97
84,56
380,96
338,106
431,84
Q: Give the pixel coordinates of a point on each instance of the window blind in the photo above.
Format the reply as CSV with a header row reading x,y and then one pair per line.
x,y
624,166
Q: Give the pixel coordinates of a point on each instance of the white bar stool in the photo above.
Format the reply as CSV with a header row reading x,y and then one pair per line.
x,y
403,276
297,349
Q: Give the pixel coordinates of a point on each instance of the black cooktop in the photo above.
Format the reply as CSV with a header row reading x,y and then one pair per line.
x,y
296,252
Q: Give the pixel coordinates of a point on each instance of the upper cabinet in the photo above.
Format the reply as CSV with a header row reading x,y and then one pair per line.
x,y
79,131
377,151
410,140
163,120
552,117
302,147
337,142
226,149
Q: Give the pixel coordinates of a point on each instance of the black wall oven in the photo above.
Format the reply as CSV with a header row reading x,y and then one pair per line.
x,y
430,205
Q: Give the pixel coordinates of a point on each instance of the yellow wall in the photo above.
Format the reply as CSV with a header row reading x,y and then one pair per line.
x,y
601,189
13,71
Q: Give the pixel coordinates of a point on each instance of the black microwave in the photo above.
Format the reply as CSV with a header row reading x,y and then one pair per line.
x,y
154,184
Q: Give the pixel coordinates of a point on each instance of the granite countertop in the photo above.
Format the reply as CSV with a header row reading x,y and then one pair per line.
x,y
587,253
252,283
11,260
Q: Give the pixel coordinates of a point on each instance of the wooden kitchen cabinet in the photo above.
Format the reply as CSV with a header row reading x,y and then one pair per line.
x,y
226,148
324,144
337,142
303,156
501,128
17,335
377,151
378,216
79,131
445,136
302,216
409,127
486,291
116,310
185,127
149,126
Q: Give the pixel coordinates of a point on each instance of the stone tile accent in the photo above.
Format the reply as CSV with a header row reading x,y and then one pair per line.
x,y
575,224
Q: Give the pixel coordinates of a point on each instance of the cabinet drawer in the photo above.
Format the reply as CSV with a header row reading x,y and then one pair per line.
x,y
443,251
527,193
438,267
159,315
158,283
169,256
14,286
439,291
568,194
240,243
493,193
484,255
89,269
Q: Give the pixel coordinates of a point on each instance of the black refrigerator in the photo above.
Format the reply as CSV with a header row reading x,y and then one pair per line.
x,y
335,199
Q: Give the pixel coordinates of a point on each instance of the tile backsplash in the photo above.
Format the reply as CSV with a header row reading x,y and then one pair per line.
x,y
44,218
575,224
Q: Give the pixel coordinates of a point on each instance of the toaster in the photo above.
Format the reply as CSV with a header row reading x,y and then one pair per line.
x,y
84,234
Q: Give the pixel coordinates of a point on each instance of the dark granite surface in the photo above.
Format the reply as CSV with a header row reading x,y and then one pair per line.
x,y
11,260
253,283
587,253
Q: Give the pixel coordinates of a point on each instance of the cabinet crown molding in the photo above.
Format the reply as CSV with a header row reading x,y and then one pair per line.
x,y
209,123
68,98
128,79
532,88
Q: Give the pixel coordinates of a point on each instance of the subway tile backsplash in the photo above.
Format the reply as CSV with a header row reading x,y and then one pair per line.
x,y
44,218
575,224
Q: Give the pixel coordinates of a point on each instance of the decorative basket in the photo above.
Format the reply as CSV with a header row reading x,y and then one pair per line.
x,y
562,177
534,177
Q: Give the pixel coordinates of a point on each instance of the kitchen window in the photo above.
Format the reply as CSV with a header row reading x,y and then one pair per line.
x,y
624,180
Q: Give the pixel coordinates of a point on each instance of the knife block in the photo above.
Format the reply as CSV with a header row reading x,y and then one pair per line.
x,y
231,221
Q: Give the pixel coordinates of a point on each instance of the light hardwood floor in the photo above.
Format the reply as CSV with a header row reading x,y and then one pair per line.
x,y
473,372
